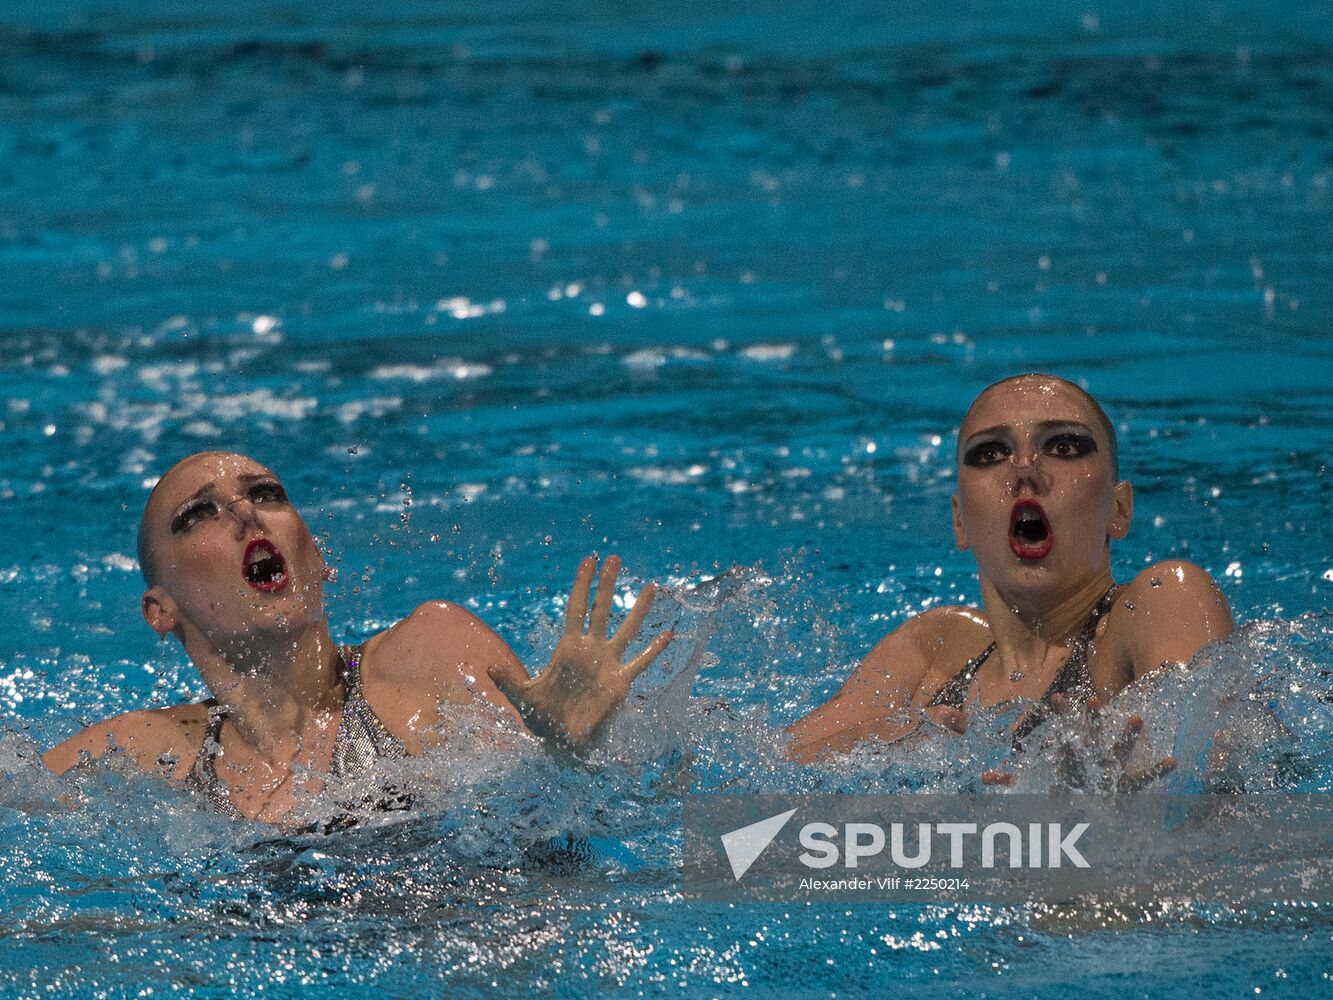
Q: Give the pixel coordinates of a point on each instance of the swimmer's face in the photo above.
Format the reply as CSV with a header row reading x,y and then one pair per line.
x,y
233,558
1037,495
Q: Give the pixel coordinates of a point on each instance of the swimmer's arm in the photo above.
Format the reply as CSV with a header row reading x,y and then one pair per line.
x,y
1174,609
444,654
875,701
160,741
436,657
95,740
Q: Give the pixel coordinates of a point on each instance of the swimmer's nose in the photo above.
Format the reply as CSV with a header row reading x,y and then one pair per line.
x,y
1028,471
243,511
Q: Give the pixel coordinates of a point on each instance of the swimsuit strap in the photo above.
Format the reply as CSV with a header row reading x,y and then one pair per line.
x,y
1072,679
361,739
955,690
203,777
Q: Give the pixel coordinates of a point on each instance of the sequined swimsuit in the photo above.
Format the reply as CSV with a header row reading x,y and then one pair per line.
x,y
1072,680
360,741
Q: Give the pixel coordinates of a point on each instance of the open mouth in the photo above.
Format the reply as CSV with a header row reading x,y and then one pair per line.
x,y
263,567
1030,534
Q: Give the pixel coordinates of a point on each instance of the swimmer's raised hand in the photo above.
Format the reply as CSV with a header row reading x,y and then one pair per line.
x,y
585,681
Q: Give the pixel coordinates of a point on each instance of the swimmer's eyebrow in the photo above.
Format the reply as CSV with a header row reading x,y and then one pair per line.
x,y
196,494
1045,425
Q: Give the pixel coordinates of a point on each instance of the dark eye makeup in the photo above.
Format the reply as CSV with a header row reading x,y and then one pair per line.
x,y
268,491
1070,444
191,514
202,508
985,453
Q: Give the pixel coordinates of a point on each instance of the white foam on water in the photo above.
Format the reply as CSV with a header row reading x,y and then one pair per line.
x,y
647,358
655,475
108,364
768,352
264,402
374,407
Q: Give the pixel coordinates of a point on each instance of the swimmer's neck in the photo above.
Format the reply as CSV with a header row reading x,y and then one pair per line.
x,y
1027,627
280,690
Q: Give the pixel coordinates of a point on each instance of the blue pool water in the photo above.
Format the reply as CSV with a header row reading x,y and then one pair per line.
x,y
493,286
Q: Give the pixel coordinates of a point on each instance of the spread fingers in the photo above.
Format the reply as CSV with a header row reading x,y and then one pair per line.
x,y
639,664
629,628
577,609
601,601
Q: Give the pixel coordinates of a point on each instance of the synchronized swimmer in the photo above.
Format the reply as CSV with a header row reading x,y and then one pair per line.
x,y
233,572
1038,503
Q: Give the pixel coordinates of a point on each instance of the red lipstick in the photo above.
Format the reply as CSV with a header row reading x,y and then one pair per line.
x,y
263,566
1030,534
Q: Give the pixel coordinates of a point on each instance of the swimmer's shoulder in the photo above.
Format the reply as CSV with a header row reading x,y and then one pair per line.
x,y
1167,613
440,652
437,633
160,740
940,639
1173,579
